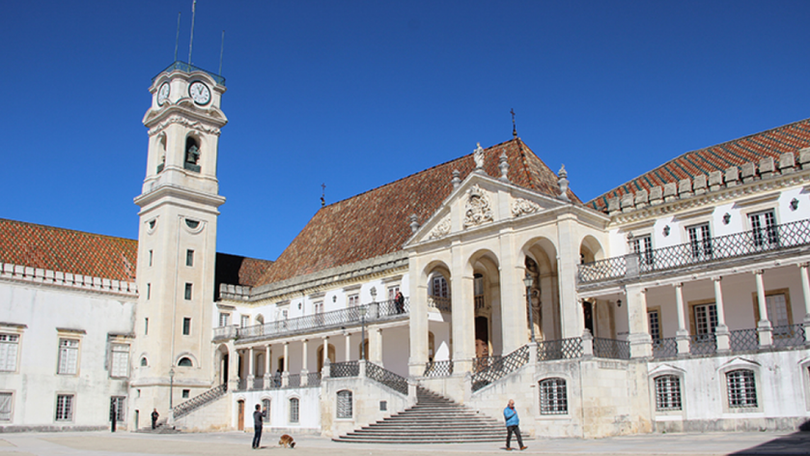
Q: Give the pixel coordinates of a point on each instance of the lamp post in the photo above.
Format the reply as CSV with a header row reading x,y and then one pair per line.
x,y
362,310
171,388
528,281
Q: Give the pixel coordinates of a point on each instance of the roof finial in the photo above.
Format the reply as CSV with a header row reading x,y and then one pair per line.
x,y
514,129
563,183
323,195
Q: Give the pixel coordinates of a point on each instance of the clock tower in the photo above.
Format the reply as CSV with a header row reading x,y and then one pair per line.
x,y
172,354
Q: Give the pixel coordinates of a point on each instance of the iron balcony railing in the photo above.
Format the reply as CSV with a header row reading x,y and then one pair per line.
x,y
665,348
743,339
757,241
344,369
351,316
702,344
314,379
789,336
559,349
438,368
294,381
188,68
489,369
611,348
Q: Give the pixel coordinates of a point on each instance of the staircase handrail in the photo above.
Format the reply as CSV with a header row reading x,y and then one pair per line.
x,y
199,400
498,368
381,375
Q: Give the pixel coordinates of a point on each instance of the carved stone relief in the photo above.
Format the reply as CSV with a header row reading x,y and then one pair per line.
x,y
441,230
184,122
521,206
478,210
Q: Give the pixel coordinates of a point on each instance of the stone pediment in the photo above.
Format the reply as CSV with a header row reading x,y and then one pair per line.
x,y
478,202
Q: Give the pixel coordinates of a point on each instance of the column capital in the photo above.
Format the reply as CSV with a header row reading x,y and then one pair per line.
x,y
804,265
678,285
286,342
758,271
717,278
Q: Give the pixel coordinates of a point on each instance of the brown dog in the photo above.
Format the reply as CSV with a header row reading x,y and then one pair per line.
x,y
287,440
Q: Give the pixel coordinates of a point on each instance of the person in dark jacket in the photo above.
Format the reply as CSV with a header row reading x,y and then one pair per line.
x,y
512,425
399,302
155,416
258,416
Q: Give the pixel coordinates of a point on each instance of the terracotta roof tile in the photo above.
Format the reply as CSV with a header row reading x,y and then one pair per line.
x,y
76,252
239,270
376,222
753,148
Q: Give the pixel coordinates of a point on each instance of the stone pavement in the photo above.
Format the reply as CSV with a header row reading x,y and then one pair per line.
x,y
238,443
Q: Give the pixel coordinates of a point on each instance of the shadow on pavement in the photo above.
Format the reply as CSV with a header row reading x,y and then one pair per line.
x,y
797,443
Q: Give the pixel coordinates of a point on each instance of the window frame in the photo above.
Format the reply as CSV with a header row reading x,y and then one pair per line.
x,y
294,413
120,409
668,396
701,247
10,412
773,292
224,319
72,369
745,406
344,405
59,417
190,258
553,396
186,326
113,370
5,357
188,292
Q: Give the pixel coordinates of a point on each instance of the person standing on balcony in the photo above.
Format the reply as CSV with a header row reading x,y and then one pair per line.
x,y
399,302
258,418
512,423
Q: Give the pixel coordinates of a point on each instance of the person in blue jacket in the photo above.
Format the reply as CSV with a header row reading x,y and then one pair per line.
x,y
512,423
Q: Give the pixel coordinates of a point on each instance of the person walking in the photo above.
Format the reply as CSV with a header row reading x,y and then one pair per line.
x,y
258,416
155,416
512,425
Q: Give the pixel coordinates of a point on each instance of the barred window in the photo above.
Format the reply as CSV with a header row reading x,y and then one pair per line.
x,y
553,397
294,410
667,393
344,404
742,389
266,406
5,406
64,407
8,352
655,325
119,360
118,406
68,356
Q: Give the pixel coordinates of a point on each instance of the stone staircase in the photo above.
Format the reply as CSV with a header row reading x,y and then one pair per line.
x,y
434,419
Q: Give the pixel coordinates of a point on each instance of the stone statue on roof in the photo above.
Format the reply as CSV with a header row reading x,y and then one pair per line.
x,y
478,156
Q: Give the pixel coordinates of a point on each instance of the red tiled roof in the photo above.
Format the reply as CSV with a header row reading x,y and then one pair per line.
x,y
377,223
239,270
750,149
76,252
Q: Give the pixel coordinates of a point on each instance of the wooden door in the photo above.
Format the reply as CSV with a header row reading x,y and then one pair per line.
x,y
240,424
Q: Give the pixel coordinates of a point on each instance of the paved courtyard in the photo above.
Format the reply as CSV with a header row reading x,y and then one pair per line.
x,y
238,443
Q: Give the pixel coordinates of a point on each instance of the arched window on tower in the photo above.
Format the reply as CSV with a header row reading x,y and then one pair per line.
x,y
192,159
162,151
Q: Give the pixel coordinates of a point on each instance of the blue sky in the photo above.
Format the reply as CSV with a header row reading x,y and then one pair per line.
x,y
355,94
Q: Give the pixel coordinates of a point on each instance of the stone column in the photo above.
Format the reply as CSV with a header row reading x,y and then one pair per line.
x,y
418,318
572,320
250,377
638,322
721,332
233,367
304,370
463,325
682,334
375,346
325,350
285,376
268,367
514,324
764,328
348,340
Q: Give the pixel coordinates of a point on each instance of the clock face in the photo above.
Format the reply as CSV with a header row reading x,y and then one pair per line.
x,y
163,93
199,93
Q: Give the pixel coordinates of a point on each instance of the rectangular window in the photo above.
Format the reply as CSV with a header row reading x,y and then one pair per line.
x,y
5,406
700,241
145,326
439,287
344,404
186,326
294,410
9,344
245,321
150,258
553,397
705,318
119,367
392,292
266,406
148,291
667,393
742,389
223,319
186,393
188,292
777,309
118,406
64,407
189,257
68,356
642,246
354,300
764,233
655,325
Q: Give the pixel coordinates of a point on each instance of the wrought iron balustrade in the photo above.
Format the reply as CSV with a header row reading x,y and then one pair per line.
x,y
350,316
258,383
438,368
199,400
294,381
743,339
314,379
664,348
702,344
611,348
344,369
788,336
752,242
387,378
559,349
492,368
188,68
241,385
